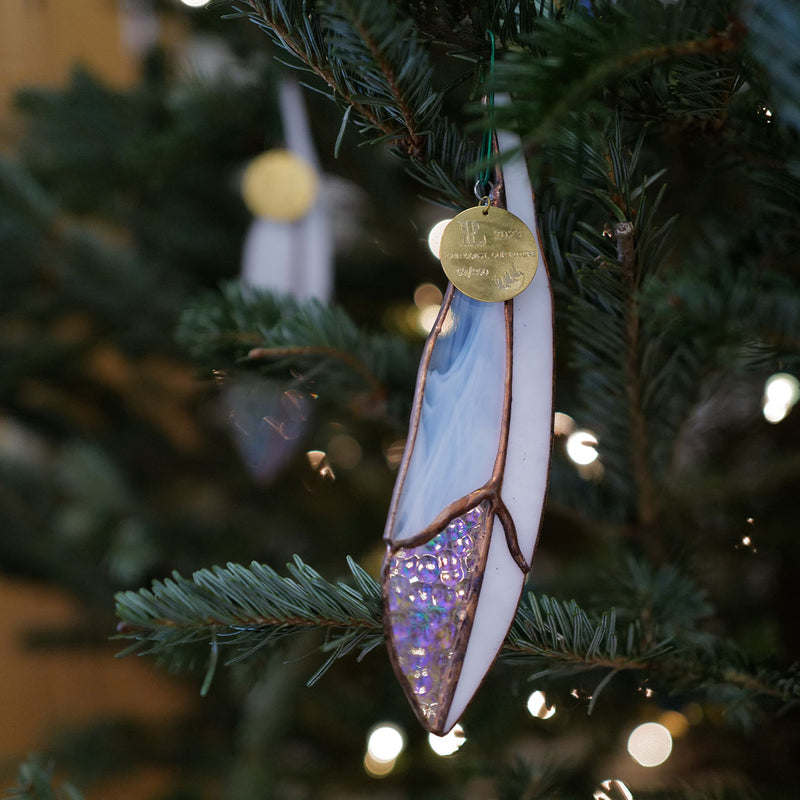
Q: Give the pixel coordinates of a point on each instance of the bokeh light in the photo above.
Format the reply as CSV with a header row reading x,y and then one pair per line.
x,y
774,412
318,461
612,790
675,722
581,447
435,236
781,392
385,742
650,744
427,318
427,299
448,744
344,450
537,706
563,424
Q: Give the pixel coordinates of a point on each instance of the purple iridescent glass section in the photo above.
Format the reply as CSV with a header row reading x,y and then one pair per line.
x,y
430,599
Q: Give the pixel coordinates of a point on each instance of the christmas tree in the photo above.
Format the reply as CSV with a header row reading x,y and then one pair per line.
x,y
662,142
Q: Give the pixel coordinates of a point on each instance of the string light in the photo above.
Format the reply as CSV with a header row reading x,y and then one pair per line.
x,y
427,299
563,424
427,318
385,742
344,450
747,539
195,3
781,392
435,236
448,744
612,790
537,706
318,461
650,744
675,722
393,453
581,447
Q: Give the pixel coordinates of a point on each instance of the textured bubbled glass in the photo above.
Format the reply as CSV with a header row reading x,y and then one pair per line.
x,y
430,603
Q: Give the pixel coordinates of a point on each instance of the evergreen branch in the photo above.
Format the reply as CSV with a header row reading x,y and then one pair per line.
x,y
646,494
35,782
275,353
301,31
372,61
238,610
774,28
370,33
244,327
577,56
619,356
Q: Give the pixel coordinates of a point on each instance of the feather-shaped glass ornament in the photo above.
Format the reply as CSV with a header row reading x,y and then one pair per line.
x,y
467,504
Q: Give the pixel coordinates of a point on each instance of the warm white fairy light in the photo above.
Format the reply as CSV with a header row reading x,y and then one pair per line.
x,y
435,236
344,451
427,294
782,388
676,723
385,742
427,299
427,317
195,3
563,424
650,744
448,744
581,447
318,461
775,412
781,392
537,706
612,790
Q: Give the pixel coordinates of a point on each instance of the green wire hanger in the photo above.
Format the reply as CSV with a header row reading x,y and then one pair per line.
x,y
483,184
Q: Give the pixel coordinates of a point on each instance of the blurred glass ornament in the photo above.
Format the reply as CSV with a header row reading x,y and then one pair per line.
x,y
267,421
289,246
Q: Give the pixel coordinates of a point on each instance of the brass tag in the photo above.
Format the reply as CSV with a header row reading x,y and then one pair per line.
x,y
279,185
489,254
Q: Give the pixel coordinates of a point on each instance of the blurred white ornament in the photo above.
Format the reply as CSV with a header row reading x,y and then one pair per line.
x,y
289,248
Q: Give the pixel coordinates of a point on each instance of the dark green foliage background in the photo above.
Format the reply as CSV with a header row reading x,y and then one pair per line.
x,y
121,228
